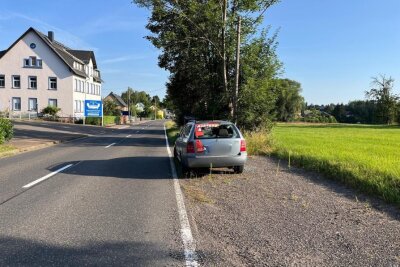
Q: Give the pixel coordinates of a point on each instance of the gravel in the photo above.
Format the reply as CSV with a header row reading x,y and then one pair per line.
x,y
275,216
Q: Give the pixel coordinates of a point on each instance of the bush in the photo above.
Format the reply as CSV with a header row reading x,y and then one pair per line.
x,y
93,121
112,120
6,130
51,110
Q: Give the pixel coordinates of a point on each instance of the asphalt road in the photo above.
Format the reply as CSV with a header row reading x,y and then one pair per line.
x,y
114,206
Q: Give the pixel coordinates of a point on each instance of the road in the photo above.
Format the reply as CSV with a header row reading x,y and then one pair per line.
x,y
109,200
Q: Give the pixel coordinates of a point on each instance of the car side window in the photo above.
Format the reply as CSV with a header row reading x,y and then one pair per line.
x,y
186,130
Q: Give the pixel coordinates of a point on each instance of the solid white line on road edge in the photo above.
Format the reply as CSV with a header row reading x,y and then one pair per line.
x,y
47,176
110,145
125,127
186,233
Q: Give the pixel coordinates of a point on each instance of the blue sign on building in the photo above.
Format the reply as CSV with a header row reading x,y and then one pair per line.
x,y
93,108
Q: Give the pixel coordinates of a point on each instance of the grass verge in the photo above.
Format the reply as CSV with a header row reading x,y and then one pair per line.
x,y
6,150
172,132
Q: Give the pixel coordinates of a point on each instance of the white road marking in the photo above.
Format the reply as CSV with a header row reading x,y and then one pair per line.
x,y
186,233
47,176
125,127
142,128
128,136
110,145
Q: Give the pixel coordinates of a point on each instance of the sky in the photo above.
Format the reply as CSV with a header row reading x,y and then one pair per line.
x,y
333,48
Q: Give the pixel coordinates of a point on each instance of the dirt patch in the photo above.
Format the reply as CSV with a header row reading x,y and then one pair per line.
x,y
270,216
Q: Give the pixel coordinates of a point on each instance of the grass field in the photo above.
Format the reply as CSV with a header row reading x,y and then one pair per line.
x,y
364,157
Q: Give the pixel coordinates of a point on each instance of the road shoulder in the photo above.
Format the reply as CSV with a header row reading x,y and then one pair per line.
x,y
271,215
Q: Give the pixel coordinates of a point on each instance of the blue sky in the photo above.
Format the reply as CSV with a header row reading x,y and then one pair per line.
x,y
332,48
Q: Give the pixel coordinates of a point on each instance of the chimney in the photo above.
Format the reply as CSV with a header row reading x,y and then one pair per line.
x,y
50,34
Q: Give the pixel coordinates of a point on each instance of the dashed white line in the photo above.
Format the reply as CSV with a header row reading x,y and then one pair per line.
x,y
186,233
47,176
110,145
128,136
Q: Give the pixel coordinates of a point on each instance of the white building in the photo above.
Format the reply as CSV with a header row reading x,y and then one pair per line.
x,y
37,71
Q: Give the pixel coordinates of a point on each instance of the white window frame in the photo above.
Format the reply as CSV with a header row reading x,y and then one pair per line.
x,y
30,82
30,108
3,80
13,103
52,83
51,100
13,81
28,62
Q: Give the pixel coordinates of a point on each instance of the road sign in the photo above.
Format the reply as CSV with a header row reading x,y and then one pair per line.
x,y
93,108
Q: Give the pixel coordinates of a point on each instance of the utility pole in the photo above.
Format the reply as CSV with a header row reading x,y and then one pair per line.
x,y
129,104
236,93
155,108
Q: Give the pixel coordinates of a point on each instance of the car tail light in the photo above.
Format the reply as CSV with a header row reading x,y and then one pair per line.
x,y
199,146
242,145
190,147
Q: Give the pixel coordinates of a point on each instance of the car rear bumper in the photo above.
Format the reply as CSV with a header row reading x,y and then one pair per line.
x,y
195,161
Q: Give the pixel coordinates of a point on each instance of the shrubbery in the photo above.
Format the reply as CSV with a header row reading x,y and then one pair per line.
x,y
6,130
51,110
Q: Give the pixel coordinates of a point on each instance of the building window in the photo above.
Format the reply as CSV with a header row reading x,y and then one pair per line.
x,y
53,102
53,83
2,81
79,106
32,62
16,81
32,104
16,103
32,82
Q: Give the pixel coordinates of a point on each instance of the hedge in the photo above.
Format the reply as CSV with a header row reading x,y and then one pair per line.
x,y
6,130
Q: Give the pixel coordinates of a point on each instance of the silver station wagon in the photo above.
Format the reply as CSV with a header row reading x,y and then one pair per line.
x,y
211,144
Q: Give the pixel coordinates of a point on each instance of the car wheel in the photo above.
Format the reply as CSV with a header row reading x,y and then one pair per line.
x,y
238,169
185,170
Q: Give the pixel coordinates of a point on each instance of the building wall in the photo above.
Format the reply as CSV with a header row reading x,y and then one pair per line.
x,y
12,63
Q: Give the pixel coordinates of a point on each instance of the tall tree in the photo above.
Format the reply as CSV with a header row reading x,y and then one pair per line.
x,y
197,39
382,93
289,100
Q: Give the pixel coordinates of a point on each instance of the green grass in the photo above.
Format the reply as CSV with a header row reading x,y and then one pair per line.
x,y
364,157
172,131
6,150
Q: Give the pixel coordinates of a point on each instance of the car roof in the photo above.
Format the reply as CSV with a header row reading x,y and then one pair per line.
x,y
208,121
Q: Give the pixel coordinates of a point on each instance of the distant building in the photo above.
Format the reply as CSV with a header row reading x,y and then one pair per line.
x,y
37,71
140,107
121,105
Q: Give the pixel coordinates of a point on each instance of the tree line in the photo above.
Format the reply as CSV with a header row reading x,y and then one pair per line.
x,y
381,106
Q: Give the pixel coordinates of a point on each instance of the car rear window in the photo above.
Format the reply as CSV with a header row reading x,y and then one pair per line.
x,y
215,130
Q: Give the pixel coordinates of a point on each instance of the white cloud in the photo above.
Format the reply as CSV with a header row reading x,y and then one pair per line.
x,y
122,59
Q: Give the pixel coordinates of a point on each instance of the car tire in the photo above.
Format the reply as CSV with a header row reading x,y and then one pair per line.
x,y
185,170
238,169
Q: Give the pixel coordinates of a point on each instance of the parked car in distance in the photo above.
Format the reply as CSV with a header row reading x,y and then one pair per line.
x,y
211,144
